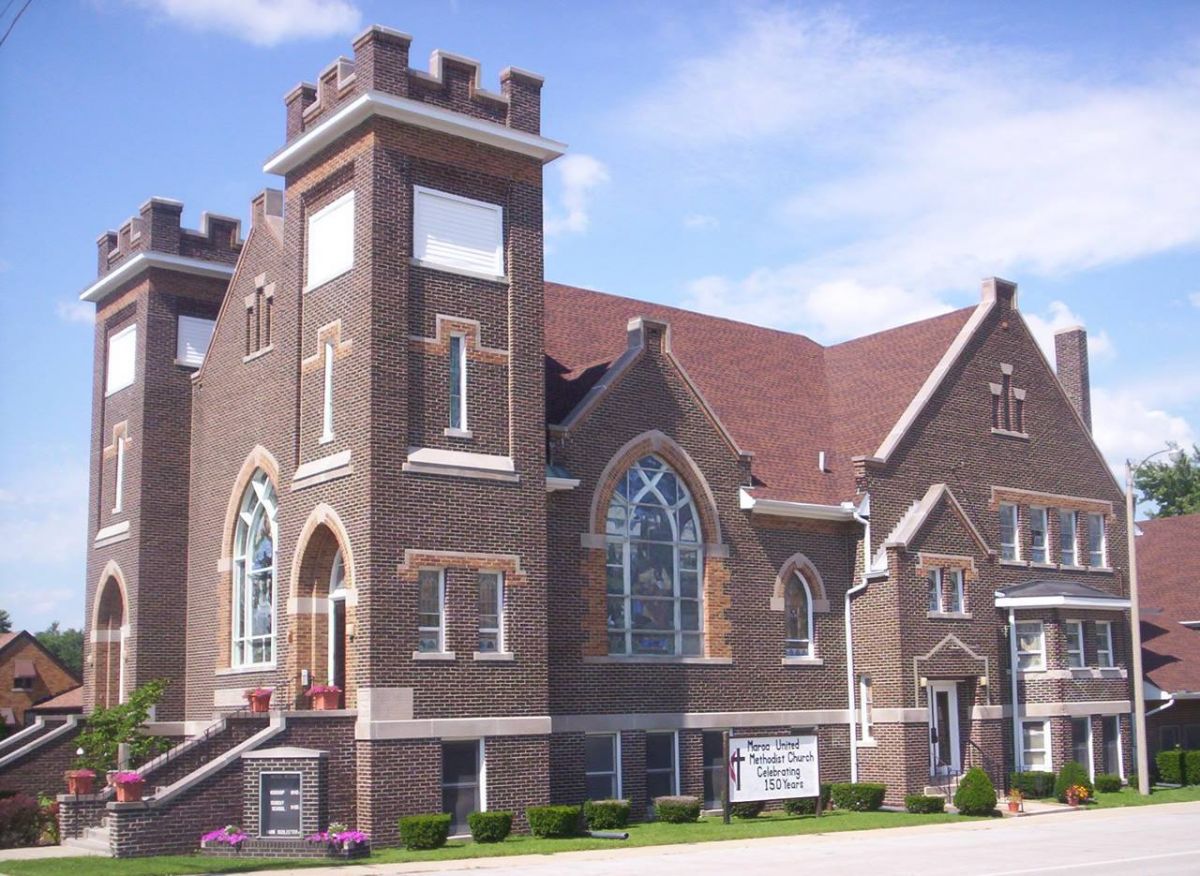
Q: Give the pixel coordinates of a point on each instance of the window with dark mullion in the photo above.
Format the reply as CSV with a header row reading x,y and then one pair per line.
x,y
601,766
460,783
661,779
714,768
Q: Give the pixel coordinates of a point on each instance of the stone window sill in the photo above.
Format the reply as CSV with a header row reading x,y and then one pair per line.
x,y
649,658
1020,564
802,661
258,353
435,656
245,670
464,434
1008,433
494,656
949,615
1102,570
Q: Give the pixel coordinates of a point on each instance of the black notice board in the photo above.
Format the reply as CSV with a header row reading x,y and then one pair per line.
x,y
279,804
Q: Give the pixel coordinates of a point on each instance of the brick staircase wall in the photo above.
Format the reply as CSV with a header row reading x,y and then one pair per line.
x,y
38,766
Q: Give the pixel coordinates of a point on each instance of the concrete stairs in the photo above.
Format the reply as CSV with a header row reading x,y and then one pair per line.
x,y
95,840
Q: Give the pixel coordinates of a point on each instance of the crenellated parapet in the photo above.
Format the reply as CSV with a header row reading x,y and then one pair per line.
x,y
157,228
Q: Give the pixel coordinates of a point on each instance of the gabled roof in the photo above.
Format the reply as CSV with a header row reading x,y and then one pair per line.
x,y
1169,596
918,514
9,639
67,701
782,396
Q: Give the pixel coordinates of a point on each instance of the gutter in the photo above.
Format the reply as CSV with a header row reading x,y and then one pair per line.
x,y
852,720
779,508
1170,702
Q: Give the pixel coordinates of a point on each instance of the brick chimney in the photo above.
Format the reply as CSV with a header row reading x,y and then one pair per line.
x,y
1071,362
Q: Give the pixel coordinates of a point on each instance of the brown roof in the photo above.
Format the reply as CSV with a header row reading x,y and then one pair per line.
x,y
782,396
1169,592
66,701
5,638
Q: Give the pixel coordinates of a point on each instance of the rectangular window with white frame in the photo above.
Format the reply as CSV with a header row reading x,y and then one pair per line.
x,y
464,771
193,335
491,612
122,359
327,403
1039,528
957,596
431,617
1075,653
331,241
458,383
1105,658
1031,646
934,581
458,234
662,760
1067,541
865,703
1097,547
602,766
119,488
1010,545
1035,745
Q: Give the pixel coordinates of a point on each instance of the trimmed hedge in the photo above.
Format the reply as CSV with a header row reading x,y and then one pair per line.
x,y
1191,765
1108,783
975,795
858,796
677,809
490,827
21,821
1072,773
1171,769
1035,783
751,809
419,832
606,814
554,821
920,804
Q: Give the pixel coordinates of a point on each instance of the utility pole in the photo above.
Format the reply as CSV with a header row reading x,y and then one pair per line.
x,y
1135,623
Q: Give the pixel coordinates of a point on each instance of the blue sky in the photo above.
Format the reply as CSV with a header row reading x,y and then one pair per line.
x,y
826,169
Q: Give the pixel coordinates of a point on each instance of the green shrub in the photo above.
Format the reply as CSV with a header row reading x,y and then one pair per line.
x,y
751,809
490,827
975,795
919,804
677,809
554,821
1108,783
606,814
424,831
1191,767
1035,783
1072,773
20,821
858,796
1170,765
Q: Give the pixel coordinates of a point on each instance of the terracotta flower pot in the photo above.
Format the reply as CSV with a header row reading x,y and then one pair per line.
x,y
260,702
80,783
1014,805
326,701
130,792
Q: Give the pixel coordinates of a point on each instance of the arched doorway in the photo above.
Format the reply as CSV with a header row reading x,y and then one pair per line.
x,y
323,608
108,637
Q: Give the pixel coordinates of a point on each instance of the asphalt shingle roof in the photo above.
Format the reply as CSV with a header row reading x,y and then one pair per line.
x,y
1169,592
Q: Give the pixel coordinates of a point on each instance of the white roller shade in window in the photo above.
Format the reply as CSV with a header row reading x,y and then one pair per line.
x,y
331,241
458,233
192,343
122,358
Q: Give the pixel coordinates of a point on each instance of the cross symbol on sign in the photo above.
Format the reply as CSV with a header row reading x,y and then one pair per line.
x,y
735,768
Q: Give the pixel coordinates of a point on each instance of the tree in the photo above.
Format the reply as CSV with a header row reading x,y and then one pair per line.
x,y
1173,485
5,622
106,730
66,645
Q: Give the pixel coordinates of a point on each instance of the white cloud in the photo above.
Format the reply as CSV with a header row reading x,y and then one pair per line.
x,y
700,222
578,177
941,163
1059,317
1195,299
76,311
262,22
1128,425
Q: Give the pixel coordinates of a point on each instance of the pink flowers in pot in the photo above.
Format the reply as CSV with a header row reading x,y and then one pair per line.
x,y
129,784
259,698
338,836
325,697
229,835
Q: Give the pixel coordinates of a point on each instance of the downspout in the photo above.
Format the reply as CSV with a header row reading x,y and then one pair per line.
x,y
851,697
1018,755
1170,702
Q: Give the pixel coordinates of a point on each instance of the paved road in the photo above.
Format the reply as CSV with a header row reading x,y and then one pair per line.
x,y
1144,841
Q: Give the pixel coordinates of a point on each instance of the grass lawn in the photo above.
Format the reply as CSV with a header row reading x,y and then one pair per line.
x,y
653,834
1130,797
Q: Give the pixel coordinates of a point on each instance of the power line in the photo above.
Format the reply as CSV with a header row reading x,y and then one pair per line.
x,y
15,20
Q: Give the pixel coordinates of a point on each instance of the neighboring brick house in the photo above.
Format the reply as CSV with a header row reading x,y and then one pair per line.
x,y
1169,593
551,542
29,674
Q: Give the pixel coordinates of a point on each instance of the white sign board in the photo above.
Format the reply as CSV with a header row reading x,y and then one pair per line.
x,y
772,768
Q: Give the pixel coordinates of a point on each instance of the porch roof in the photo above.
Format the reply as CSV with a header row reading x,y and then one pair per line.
x,y
1046,593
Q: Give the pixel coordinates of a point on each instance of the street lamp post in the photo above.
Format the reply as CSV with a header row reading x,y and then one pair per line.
x,y
1135,623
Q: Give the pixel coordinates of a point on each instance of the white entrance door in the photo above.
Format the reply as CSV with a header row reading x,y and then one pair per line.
x,y
944,752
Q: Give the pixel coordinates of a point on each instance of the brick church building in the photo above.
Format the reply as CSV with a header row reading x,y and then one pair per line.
x,y
551,542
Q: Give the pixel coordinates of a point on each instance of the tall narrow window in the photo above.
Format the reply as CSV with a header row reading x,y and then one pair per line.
x,y
1031,646
1081,744
327,407
122,359
864,706
602,766
491,612
1035,745
1075,655
431,613
654,567
254,575
1104,645
1066,538
957,597
713,757
661,777
1009,547
1037,535
462,782
118,500
797,611
1096,546
934,580
458,382
1110,745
